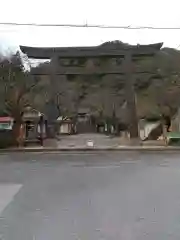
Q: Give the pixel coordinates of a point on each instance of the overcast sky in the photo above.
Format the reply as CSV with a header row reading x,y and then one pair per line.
x,y
108,12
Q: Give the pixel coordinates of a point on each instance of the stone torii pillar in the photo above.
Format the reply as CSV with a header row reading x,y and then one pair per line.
x,y
131,98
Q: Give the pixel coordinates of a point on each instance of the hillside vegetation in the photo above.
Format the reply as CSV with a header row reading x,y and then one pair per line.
x,y
156,92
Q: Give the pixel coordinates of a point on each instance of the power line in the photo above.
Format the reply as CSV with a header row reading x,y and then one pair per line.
x,y
89,26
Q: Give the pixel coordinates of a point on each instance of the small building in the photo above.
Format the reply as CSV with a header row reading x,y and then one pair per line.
x,y
65,125
149,130
34,126
6,123
6,133
85,121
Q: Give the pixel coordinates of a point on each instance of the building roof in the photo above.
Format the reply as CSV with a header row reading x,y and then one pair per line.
x,y
64,119
6,119
93,51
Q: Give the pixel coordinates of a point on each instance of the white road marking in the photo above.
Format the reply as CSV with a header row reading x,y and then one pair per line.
x,y
7,193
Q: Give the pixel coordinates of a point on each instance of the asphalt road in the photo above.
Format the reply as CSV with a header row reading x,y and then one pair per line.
x,y
95,196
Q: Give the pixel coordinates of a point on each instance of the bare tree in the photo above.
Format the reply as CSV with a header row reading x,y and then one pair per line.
x,y
17,90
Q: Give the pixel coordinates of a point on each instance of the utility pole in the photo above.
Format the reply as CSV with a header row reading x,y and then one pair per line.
x,y
131,98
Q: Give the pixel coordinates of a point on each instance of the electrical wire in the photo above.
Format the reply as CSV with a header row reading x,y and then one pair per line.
x,y
89,26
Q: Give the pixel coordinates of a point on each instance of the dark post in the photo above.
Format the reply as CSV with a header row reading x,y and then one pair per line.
x,y
54,79
131,98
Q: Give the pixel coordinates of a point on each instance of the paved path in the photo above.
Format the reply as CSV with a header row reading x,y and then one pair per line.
x,y
99,141
124,196
81,140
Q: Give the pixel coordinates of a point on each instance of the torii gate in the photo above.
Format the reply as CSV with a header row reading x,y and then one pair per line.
x,y
125,54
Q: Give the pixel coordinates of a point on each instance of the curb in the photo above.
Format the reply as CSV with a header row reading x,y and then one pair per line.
x,y
91,149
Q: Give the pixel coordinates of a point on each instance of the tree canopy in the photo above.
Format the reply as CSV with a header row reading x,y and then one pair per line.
x,y
18,90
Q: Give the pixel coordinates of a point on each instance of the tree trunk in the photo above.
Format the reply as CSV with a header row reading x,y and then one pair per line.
x,y
16,132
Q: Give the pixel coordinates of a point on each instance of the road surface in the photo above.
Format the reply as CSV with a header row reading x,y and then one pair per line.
x,y
90,196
